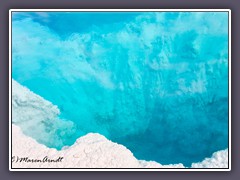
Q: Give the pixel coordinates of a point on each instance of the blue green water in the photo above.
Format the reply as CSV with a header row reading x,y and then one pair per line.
x,y
154,82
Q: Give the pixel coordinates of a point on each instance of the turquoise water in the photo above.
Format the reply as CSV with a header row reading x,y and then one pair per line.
x,y
154,82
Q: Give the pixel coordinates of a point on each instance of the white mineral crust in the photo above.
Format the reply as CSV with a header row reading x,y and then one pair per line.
x,y
90,151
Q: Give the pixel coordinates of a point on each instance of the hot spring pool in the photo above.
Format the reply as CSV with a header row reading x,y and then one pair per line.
x,y
155,82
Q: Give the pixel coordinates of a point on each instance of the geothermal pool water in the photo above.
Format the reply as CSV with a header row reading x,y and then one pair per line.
x,y
155,82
